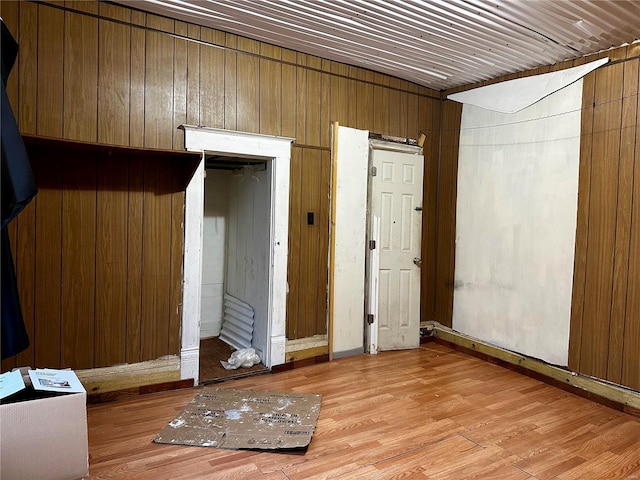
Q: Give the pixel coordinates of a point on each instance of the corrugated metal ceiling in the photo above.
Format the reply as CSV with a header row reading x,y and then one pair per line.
x,y
437,43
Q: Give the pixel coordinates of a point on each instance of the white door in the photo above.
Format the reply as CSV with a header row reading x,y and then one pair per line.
x,y
396,199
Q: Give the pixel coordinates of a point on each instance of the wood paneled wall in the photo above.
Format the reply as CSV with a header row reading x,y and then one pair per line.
x,y
98,255
605,315
98,72
441,275
308,244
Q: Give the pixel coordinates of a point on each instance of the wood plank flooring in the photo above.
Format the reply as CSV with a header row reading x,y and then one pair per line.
x,y
430,413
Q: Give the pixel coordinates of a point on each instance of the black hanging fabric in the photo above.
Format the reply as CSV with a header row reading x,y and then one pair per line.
x,y
18,188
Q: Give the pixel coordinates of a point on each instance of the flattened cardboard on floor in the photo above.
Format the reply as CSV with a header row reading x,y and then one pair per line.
x,y
247,419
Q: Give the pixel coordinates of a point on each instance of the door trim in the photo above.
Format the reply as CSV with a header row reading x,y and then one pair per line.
x,y
229,142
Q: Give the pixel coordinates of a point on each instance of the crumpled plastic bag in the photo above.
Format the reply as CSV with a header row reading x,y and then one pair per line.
x,y
245,357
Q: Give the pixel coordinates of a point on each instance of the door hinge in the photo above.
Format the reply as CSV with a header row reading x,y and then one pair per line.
x,y
374,171
370,318
372,244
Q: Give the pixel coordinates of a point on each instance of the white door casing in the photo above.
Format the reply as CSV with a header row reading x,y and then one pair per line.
x,y
396,198
227,142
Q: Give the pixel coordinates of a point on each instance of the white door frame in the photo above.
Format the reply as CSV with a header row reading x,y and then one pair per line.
x,y
229,142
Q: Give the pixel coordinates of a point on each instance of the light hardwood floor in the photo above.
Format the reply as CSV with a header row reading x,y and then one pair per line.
x,y
431,413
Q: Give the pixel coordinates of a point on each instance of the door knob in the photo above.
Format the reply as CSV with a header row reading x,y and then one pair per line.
x,y
417,261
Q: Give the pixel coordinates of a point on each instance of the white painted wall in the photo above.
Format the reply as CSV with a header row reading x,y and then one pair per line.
x,y
350,237
248,245
515,224
213,251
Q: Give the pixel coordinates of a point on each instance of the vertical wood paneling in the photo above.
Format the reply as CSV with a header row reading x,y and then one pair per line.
x,y
630,363
50,71
78,261
602,219
394,114
451,203
295,224
447,178
364,112
403,114
12,231
623,220
354,106
270,97
325,112
134,259
301,97
212,75
116,12
309,242
27,68
605,326
80,92
339,95
230,83
89,6
25,263
111,261
137,89
323,248
48,174
176,253
137,83
114,81
180,66
380,109
10,13
582,222
156,259
413,117
159,88
193,76
248,106
313,107
429,215
289,100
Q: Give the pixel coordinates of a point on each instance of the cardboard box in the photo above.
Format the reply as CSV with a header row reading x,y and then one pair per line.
x,y
43,435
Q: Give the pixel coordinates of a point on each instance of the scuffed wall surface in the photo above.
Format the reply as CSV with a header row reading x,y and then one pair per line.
x,y
516,222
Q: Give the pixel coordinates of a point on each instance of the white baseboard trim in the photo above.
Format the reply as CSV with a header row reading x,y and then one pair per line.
x,y
190,364
278,346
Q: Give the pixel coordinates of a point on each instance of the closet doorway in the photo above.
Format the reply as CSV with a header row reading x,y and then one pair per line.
x,y
235,253
236,231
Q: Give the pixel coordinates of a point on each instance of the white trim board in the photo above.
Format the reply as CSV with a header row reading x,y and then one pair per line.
x,y
227,142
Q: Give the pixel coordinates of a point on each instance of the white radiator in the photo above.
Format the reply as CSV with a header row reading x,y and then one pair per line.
x,y
237,324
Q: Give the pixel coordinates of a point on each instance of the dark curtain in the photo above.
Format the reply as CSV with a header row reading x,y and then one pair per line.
x,y
18,188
